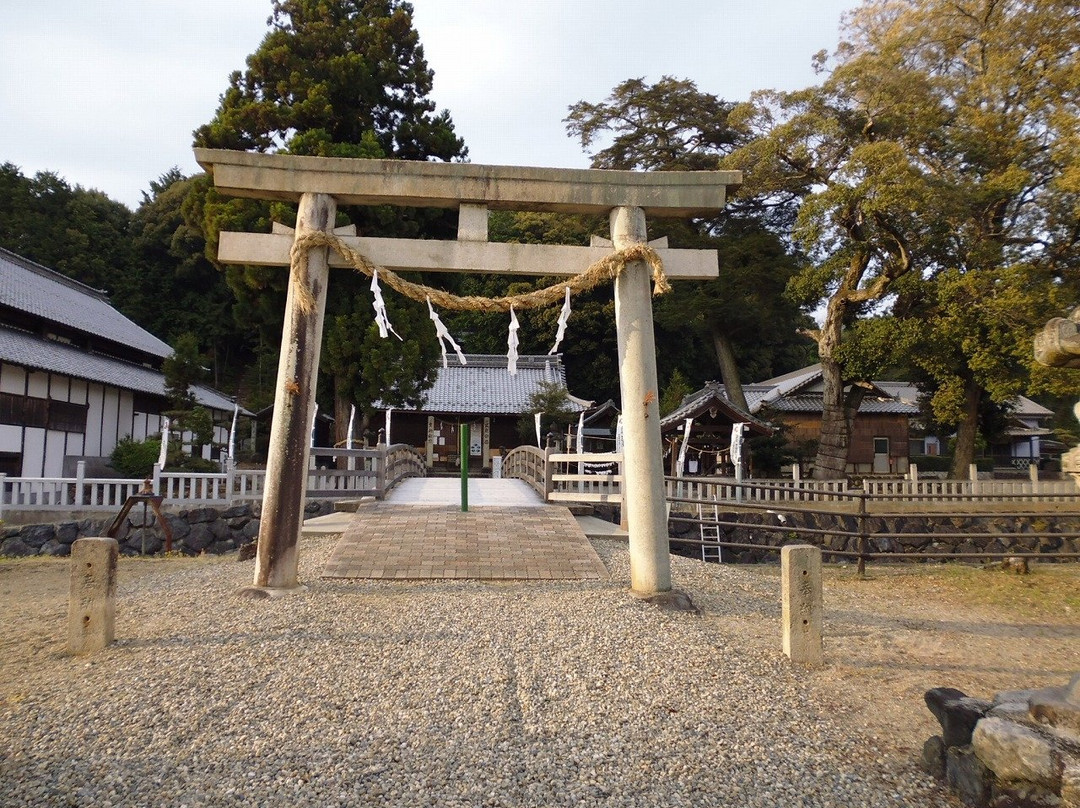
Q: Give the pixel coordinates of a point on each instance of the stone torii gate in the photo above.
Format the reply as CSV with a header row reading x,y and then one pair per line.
x,y
318,184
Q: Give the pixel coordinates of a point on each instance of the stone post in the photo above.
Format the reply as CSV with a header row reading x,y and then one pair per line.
x,y
92,595
80,484
294,409
800,576
643,469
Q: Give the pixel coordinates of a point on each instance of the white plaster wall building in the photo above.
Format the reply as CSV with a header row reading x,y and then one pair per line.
x,y
76,376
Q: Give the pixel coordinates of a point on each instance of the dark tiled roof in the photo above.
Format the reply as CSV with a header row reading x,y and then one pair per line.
x,y
711,394
799,392
813,403
39,291
485,386
32,351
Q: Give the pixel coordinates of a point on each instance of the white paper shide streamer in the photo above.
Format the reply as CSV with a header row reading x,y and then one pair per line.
x,y
444,336
564,317
352,420
539,443
512,343
737,447
381,320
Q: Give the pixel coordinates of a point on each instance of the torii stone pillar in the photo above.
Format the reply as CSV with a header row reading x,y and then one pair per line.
x,y
294,408
643,457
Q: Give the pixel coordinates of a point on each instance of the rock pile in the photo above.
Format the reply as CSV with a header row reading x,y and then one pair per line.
x,y
1020,750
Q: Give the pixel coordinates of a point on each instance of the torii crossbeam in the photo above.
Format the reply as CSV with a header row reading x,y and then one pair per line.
x,y
319,184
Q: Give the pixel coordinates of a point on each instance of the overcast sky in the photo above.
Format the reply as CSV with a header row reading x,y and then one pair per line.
x,y
107,93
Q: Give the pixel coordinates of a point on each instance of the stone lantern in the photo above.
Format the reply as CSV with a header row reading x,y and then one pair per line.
x,y
1058,345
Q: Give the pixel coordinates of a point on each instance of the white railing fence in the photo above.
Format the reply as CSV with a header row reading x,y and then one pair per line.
x,y
983,490
64,493
333,473
597,477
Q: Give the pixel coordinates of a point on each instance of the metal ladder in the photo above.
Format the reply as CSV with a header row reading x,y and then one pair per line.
x,y
710,531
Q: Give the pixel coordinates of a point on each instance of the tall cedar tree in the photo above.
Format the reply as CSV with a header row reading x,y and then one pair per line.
x,y
343,78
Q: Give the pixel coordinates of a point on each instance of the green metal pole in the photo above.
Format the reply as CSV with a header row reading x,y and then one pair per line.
x,y
464,456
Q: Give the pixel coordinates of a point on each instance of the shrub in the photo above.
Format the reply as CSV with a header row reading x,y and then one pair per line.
x,y
134,458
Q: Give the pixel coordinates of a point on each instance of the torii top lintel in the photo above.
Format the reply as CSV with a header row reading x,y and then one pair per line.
x,y
413,183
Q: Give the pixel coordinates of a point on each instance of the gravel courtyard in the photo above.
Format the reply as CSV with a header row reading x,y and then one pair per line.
x,y
504,694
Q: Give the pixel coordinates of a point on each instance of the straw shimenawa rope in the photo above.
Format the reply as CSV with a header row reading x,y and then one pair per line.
x,y
605,269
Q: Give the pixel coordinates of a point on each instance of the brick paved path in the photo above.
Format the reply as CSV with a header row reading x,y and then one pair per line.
x,y
387,540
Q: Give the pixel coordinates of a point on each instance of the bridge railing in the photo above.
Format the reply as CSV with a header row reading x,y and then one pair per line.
x,y
528,464
585,477
334,473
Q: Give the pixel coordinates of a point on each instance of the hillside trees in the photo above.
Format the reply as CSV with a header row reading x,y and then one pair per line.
x,y
942,143
80,233
342,78
174,288
743,318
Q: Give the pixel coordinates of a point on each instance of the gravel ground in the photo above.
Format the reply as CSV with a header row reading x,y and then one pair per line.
x,y
433,694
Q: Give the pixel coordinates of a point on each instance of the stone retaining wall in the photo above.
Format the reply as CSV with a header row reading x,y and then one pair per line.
x,y
889,534
194,531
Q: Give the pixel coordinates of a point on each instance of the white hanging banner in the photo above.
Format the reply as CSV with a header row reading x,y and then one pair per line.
x,y
352,419
539,444
232,433
682,449
580,441
736,448
564,317
164,443
388,411
512,343
618,434
381,320
444,336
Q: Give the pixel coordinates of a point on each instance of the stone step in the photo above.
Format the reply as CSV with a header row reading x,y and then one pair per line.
x,y
350,505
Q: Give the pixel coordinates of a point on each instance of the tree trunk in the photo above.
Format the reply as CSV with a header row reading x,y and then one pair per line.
x,y
729,371
967,431
832,453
